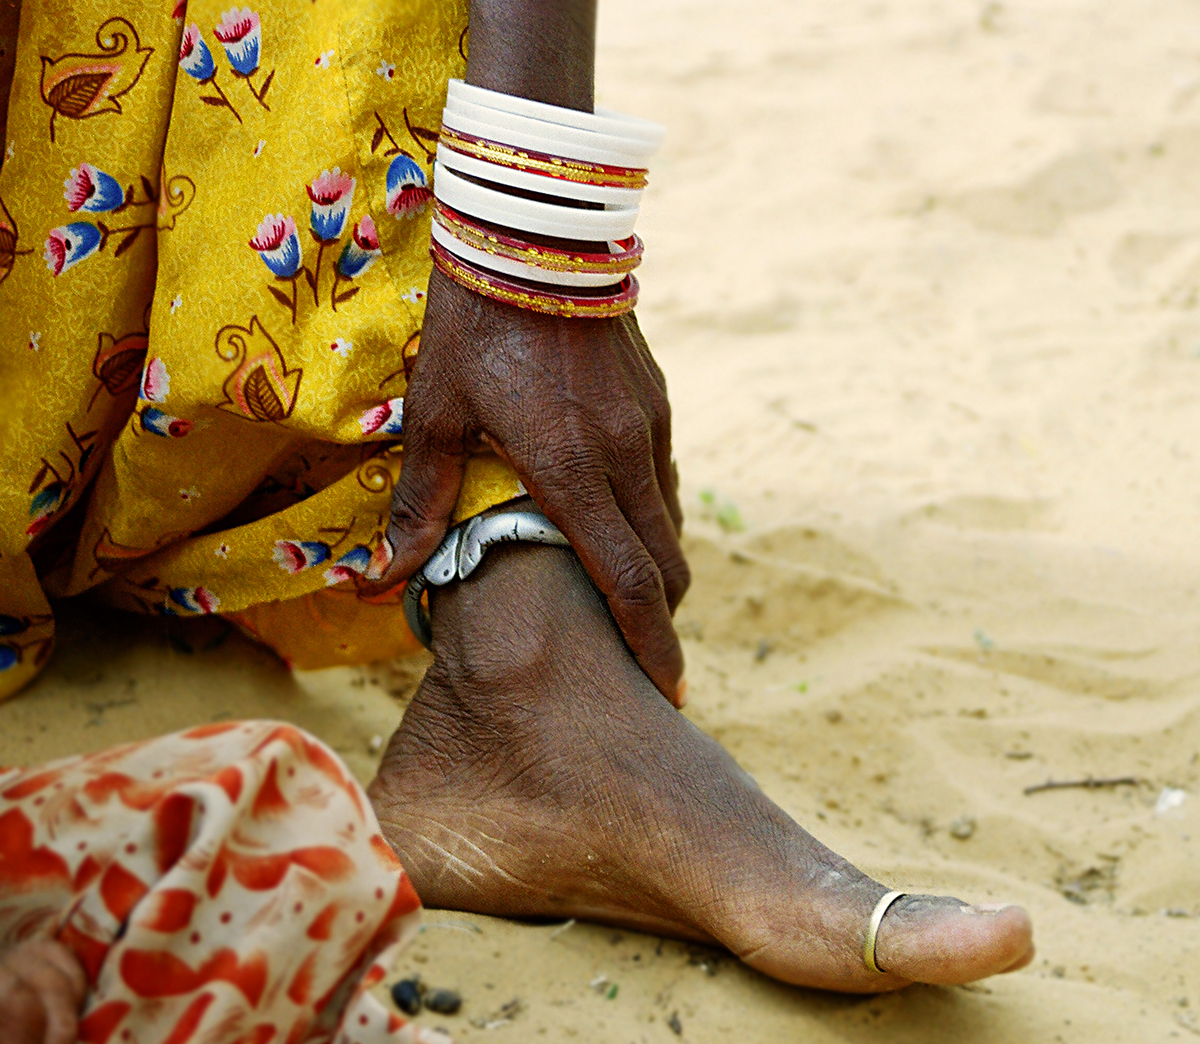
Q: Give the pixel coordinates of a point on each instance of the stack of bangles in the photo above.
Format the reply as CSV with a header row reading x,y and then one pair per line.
x,y
508,168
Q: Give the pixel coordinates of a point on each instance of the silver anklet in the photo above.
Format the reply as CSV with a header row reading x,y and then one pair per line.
x,y
463,549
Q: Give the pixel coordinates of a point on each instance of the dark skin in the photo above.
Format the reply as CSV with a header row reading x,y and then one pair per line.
x,y
538,772
577,407
42,987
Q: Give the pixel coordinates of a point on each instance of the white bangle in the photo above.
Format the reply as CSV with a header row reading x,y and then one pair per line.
x,y
518,269
530,215
620,198
602,121
505,124
596,152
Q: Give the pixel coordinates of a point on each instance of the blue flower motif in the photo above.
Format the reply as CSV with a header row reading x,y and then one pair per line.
x,y
88,188
240,34
68,245
358,255
193,599
158,423
294,556
278,245
407,187
353,563
9,657
387,418
331,194
195,58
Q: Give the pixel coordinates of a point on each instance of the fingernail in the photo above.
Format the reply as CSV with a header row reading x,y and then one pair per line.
x,y
381,558
681,694
993,908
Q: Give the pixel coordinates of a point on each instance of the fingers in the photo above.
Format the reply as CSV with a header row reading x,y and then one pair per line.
x,y
422,504
42,988
647,514
665,470
619,564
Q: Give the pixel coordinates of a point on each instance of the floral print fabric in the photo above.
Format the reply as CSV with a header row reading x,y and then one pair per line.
x,y
228,884
214,228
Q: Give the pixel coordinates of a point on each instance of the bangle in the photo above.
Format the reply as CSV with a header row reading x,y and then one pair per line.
x,y
595,152
517,269
626,255
602,121
543,163
463,549
551,186
566,138
547,302
530,215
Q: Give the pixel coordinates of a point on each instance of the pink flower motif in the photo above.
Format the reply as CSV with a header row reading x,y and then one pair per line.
x,y
387,418
156,383
294,556
240,33
195,58
193,599
88,188
359,254
278,245
407,187
365,235
331,194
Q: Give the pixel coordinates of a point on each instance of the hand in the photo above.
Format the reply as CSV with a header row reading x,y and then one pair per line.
x,y
42,987
578,408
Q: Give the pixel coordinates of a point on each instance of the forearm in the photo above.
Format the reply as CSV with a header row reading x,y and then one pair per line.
x,y
539,49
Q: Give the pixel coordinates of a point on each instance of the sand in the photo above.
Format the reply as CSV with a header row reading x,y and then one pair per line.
x,y
924,279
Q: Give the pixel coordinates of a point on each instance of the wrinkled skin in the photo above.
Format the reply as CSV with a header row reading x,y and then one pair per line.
x,y
579,408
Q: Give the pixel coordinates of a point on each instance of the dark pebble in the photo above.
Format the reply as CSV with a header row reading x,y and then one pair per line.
x,y
407,995
675,1024
444,1002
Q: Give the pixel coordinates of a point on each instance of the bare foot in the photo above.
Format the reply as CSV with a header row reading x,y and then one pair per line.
x,y
538,773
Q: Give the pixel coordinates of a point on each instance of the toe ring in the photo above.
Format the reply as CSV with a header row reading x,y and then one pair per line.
x,y
873,924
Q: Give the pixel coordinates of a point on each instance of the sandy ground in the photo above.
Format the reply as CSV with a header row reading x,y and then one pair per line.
x,y
924,278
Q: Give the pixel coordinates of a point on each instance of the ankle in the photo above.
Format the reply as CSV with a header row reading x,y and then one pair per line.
x,y
528,619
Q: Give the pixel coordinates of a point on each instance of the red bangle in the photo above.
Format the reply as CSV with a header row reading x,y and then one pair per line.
x,y
568,306
550,259
543,163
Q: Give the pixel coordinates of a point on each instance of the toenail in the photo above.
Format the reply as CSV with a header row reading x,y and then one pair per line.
x,y
992,908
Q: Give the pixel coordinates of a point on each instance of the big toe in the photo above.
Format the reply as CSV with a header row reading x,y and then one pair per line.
x,y
946,942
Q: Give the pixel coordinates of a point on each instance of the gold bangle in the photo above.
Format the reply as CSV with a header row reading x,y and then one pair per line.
x,y
873,924
542,163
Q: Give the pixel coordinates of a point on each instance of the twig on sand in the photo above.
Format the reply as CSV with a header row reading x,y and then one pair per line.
x,y
562,928
1091,783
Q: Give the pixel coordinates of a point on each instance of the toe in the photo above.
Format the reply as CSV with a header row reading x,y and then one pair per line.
x,y
947,942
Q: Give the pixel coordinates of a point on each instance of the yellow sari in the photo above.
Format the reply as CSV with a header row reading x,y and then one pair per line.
x,y
213,257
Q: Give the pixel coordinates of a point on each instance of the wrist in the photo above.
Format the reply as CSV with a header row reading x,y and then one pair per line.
x,y
537,50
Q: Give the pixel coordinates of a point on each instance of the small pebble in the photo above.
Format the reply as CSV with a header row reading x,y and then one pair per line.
x,y
963,827
407,995
444,1002
675,1024
376,744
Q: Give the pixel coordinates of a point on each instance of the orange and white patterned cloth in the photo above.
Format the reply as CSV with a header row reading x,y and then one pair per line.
x,y
224,885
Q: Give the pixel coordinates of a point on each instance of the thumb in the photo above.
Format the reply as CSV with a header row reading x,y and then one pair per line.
x,y
422,504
